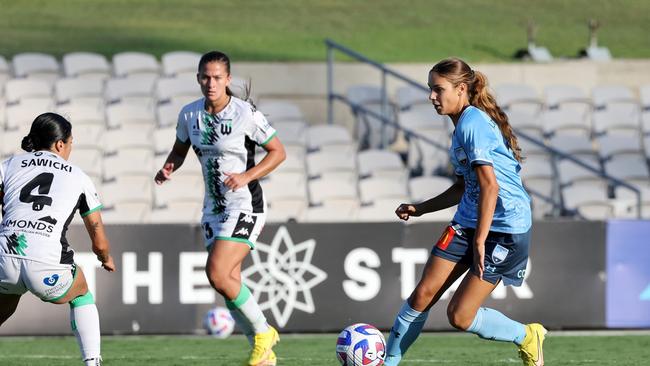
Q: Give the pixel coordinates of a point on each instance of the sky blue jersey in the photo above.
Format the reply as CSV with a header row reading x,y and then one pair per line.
x,y
477,140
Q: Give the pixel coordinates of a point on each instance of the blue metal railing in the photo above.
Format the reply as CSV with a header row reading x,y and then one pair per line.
x,y
385,71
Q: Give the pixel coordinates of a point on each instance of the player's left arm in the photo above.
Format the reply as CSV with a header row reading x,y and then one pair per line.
x,y
275,155
487,200
100,244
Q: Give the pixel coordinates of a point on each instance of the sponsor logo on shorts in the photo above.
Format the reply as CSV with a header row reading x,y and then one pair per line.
x,y
244,227
52,280
499,254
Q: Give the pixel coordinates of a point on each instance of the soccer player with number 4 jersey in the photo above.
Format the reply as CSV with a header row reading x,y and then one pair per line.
x,y
223,131
490,232
40,192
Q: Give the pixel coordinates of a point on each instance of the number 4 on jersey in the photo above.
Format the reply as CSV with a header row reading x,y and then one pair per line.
x,y
43,182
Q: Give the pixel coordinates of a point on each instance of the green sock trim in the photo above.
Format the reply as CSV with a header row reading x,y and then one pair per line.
x,y
73,325
82,300
230,305
244,294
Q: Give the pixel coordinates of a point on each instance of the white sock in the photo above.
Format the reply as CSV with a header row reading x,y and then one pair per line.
x,y
84,319
244,325
245,302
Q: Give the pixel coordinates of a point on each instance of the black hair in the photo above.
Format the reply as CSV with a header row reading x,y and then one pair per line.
x,y
218,56
47,129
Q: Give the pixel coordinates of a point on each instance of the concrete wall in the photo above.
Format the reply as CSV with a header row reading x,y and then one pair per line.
x,y
306,83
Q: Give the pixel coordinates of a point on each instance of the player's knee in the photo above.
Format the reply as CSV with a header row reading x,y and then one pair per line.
x,y
422,294
457,318
217,279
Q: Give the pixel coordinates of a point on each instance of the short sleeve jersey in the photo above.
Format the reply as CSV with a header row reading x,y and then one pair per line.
x,y
477,140
42,191
225,143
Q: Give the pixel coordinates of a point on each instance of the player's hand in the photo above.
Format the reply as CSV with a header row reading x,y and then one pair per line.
x,y
406,210
164,174
109,265
236,180
479,258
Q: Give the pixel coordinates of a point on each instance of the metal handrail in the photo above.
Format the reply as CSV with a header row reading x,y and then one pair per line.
x,y
331,97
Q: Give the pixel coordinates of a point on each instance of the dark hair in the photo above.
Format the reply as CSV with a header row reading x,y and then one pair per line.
x,y
457,71
217,56
47,129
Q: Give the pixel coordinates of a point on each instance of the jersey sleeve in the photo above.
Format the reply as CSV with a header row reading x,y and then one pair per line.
x,y
182,133
478,141
89,202
261,130
2,176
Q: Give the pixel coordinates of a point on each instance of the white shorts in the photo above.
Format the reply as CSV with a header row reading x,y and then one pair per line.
x,y
48,281
239,226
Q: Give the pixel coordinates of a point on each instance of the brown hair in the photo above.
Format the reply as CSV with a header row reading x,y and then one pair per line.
x,y
456,71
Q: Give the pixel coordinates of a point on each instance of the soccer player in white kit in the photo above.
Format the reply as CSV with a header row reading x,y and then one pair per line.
x,y
223,131
40,192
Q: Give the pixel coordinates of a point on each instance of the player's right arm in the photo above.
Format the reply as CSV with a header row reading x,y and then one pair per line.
x,y
446,199
174,161
101,246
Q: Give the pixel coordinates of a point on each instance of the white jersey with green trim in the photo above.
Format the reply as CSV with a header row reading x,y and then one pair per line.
x,y
225,143
41,192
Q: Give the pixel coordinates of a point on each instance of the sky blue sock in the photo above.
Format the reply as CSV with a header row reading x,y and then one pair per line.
x,y
406,329
491,324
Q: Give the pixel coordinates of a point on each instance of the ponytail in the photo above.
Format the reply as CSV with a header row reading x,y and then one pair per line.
x,y
457,71
47,129
481,98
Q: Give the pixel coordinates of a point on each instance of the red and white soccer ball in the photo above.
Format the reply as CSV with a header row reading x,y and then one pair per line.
x,y
361,345
218,322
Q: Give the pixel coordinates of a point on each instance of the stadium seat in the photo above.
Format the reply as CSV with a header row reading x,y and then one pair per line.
x,y
86,65
283,210
130,63
627,166
564,97
180,62
291,132
381,210
279,110
82,89
333,210
35,65
329,137
569,171
167,114
188,188
17,90
615,106
275,187
177,90
544,194
177,212
521,120
381,163
89,159
123,114
425,158
136,89
128,188
424,188
537,166
131,160
373,189
559,119
572,141
422,117
518,97
584,193
5,74
330,189
619,140
409,96
331,164
10,142
80,112
88,134
163,140
371,131
21,116
131,212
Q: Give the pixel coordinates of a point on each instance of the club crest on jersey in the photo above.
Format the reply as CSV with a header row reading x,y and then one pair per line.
x,y
499,254
226,126
461,156
51,281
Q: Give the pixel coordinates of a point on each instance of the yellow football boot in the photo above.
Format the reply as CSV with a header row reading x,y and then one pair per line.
x,y
263,347
531,350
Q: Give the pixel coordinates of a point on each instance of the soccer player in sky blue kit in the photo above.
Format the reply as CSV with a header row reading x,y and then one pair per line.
x,y
490,232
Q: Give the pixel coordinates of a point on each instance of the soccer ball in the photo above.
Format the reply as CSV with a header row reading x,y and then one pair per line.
x,y
218,322
361,345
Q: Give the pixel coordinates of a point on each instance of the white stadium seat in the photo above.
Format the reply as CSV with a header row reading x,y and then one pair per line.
x,y
374,189
17,90
424,188
68,89
278,110
180,62
130,63
381,164
86,65
36,65
133,89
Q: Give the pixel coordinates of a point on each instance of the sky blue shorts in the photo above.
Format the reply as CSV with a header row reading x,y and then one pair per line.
x,y
506,255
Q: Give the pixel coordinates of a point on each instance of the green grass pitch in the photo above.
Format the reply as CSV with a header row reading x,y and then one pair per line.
x,y
447,349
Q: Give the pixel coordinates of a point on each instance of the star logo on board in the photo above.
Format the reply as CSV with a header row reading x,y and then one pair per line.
x,y
282,276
